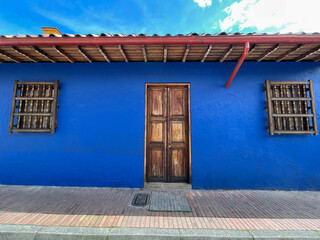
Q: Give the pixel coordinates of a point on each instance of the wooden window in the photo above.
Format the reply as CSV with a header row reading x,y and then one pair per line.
x,y
290,107
34,107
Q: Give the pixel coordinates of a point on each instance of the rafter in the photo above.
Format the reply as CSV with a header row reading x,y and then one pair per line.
x,y
43,53
253,47
227,53
268,52
165,53
144,52
123,54
206,53
63,53
103,53
84,54
2,53
186,53
24,54
287,53
317,59
307,54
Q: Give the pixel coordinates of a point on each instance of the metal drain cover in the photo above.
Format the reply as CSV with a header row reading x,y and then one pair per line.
x,y
140,199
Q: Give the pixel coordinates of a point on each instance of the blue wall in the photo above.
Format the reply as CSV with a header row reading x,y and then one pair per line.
x,y
100,138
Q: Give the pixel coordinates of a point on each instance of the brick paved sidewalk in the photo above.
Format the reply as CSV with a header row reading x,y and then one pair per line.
x,y
109,207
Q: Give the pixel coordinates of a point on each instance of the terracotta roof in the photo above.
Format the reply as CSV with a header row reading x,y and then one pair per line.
x,y
155,35
17,48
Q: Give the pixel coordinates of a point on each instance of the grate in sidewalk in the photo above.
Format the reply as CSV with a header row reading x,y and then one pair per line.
x,y
140,200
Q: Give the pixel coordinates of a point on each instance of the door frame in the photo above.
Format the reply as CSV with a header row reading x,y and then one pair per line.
x,y
146,119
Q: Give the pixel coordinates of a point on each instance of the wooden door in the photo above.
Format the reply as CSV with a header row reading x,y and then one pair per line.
x,y
167,145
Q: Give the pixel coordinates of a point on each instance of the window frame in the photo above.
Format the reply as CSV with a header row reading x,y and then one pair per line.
x,y
52,115
280,114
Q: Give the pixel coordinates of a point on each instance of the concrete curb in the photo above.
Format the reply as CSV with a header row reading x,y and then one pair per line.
x,y
13,232
27,232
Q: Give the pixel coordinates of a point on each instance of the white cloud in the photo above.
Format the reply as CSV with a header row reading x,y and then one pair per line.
x,y
203,3
284,15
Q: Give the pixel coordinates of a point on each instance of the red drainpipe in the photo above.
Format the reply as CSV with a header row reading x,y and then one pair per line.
x,y
240,61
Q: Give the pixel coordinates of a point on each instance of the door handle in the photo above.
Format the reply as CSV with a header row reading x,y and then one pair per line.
x,y
169,146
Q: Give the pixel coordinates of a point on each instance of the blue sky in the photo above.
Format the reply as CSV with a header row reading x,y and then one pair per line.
x,y
159,16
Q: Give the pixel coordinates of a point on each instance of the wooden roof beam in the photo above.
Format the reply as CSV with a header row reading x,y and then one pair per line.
x,y
253,47
123,53
227,53
206,53
43,53
165,53
186,53
307,54
317,59
63,53
2,53
144,52
24,54
84,54
287,53
103,53
268,52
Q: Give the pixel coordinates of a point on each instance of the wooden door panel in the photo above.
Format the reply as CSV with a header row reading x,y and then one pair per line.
x,y
178,158
158,102
157,163
177,132
158,132
167,133
177,102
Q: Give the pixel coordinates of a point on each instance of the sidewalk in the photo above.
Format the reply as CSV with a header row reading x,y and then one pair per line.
x,y
240,210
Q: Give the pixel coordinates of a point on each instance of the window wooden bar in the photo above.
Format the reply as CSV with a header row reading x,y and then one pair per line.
x,y
37,83
294,132
289,82
54,110
313,107
292,115
290,107
34,107
32,114
32,130
13,105
270,110
290,99
34,98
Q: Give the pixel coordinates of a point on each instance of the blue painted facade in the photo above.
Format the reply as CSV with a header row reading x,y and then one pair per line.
x,y
100,135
